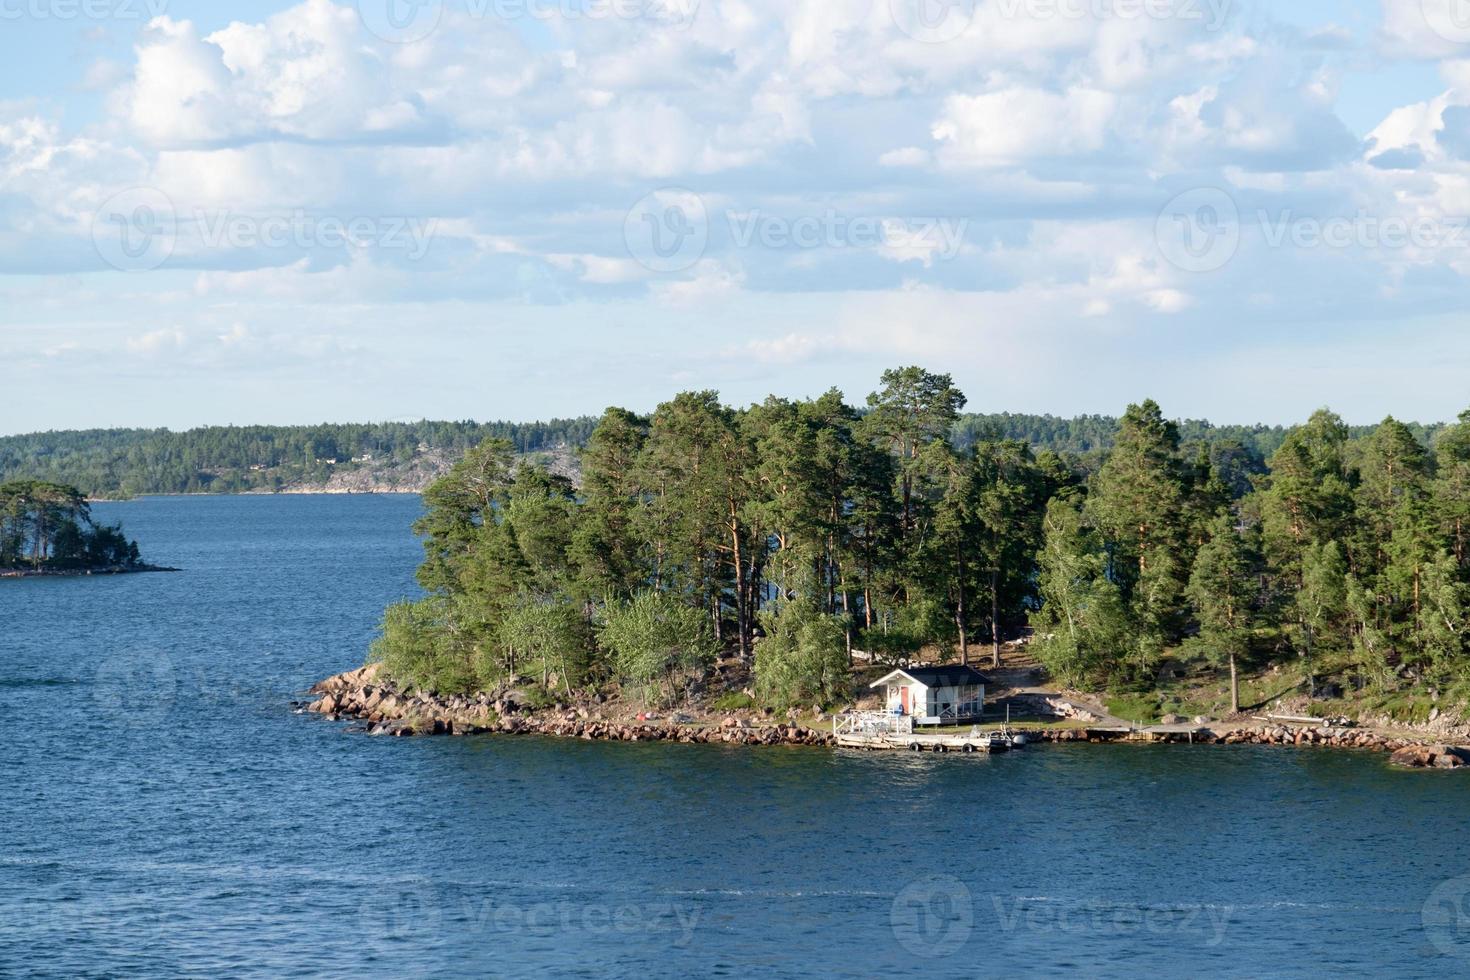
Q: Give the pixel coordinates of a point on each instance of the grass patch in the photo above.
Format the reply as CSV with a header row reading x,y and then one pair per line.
x,y
733,701
535,698
1406,708
1135,707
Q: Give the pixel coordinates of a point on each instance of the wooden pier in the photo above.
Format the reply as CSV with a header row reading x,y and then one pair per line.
x,y
876,731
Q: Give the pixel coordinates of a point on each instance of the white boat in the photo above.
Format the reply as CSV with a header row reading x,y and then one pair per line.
x,y
1014,739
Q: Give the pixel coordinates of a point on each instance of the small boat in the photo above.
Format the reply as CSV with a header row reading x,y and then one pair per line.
x,y
991,741
1014,739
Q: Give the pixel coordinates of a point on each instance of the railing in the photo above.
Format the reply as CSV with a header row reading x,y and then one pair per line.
x,y
970,709
872,723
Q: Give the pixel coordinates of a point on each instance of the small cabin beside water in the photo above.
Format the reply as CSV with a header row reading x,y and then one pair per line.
x,y
934,695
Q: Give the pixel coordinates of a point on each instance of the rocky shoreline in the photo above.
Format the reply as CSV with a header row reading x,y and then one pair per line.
x,y
360,695
386,711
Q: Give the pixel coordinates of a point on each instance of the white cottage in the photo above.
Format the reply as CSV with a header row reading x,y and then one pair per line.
x,y
934,695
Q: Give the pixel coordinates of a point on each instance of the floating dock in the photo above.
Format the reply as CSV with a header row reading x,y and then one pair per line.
x,y
875,731
921,742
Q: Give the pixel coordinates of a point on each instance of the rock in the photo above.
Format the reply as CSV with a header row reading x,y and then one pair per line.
x,y
1203,720
1413,757
1171,719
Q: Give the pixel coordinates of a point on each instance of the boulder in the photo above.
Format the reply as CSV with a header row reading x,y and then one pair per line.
x,y
1413,757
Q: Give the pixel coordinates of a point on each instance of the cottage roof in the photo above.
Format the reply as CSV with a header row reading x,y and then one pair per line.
x,y
951,676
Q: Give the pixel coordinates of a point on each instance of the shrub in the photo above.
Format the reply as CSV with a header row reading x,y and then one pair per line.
x,y
655,641
548,636
803,659
418,649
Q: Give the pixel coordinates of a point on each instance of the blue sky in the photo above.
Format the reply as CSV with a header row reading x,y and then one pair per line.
x,y
228,212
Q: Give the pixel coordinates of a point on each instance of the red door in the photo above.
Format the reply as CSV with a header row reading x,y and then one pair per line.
x,y
903,699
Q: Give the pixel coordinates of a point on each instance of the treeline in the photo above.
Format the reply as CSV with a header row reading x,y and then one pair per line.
x,y
698,528
793,531
1348,555
128,462
48,526
229,459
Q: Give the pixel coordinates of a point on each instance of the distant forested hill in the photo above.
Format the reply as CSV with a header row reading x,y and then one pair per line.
x,y
126,462
230,459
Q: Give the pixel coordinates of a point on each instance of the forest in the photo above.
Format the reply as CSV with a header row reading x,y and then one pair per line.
x,y
49,526
229,459
115,463
793,532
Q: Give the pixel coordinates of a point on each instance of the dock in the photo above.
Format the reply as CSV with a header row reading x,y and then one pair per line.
x,y
875,731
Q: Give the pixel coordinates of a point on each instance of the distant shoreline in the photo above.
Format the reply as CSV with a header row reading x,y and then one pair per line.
x,y
318,492
80,572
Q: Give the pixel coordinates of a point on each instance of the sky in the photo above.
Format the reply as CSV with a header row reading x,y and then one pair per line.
x,y
221,212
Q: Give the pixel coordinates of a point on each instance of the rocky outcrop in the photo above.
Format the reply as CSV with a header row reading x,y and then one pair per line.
x,y
363,695
1431,757
1054,706
1407,752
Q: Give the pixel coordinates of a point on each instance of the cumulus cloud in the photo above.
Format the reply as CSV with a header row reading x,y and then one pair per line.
x,y
1015,124
1051,141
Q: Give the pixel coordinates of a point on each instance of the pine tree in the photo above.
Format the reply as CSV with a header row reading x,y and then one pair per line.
x,y
1137,504
1083,623
1222,586
1452,488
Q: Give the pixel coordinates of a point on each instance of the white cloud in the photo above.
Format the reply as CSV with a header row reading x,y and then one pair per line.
x,y
1056,139
1012,125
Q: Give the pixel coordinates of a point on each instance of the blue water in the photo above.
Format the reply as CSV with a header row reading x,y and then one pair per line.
x,y
164,812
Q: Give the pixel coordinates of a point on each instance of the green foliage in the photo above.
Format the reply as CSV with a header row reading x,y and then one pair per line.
x,y
1144,708
656,641
803,658
1083,629
733,701
1222,588
50,526
905,527
420,648
551,638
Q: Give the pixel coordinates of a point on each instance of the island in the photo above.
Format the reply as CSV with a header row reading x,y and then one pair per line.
x,y
48,529
766,566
